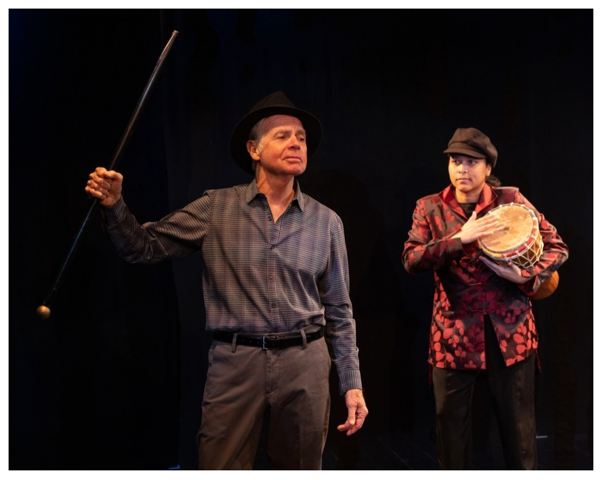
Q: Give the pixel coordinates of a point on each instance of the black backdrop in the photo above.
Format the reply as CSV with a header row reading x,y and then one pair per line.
x,y
114,379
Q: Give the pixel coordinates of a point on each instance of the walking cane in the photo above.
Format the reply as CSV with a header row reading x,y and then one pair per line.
x,y
43,310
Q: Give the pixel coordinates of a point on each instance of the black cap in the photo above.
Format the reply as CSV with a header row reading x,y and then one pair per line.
x,y
472,143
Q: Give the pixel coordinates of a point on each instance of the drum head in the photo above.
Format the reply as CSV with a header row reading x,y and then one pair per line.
x,y
518,225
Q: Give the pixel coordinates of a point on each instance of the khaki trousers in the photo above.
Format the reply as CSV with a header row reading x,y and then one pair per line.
x,y
244,383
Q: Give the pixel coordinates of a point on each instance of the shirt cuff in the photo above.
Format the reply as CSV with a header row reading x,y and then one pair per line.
x,y
350,380
116,214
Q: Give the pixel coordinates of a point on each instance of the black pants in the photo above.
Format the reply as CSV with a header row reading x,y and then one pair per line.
x,y
512,390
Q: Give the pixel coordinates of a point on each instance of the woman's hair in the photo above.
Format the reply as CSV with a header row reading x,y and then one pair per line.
x,y
493,181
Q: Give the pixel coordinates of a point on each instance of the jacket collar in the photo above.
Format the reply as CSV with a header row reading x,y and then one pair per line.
x,y
487,197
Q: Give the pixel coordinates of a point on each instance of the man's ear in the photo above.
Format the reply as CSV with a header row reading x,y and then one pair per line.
x,y
253,150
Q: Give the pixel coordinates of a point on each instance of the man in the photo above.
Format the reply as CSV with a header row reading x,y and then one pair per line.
x,y
275,279
482,317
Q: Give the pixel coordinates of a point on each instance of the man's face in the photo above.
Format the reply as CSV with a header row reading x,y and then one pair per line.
x,y
282,148
468,174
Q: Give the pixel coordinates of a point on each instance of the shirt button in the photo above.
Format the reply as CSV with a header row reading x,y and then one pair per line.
x,y
273,305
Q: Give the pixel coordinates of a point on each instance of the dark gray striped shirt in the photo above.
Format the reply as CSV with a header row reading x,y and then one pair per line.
x,y
259,276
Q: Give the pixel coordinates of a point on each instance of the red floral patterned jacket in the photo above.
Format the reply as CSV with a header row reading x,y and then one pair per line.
x,y
466,289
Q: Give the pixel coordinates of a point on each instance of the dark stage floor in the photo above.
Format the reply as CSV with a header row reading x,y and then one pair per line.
x,y
394,450
375,449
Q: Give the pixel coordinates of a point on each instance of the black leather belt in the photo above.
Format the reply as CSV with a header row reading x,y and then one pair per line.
x,y
268,342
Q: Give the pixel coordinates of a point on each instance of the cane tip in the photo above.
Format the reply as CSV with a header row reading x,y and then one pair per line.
x,y
43,312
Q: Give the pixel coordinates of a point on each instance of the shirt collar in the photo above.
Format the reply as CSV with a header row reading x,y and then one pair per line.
x,y
252,192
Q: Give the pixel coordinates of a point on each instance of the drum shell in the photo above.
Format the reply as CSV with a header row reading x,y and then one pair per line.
x,y
524,254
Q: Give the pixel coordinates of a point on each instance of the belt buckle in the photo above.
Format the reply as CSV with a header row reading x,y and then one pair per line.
x,y
268,338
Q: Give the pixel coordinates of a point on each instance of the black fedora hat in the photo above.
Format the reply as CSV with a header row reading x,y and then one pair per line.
x,y
274,104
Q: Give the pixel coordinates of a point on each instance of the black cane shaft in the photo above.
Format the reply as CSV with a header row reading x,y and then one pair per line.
x,y
43,310
141,103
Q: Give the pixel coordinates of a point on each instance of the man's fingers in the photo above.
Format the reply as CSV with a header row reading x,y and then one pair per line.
x,y
359,423
344,427
352,415
357,411
348,428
